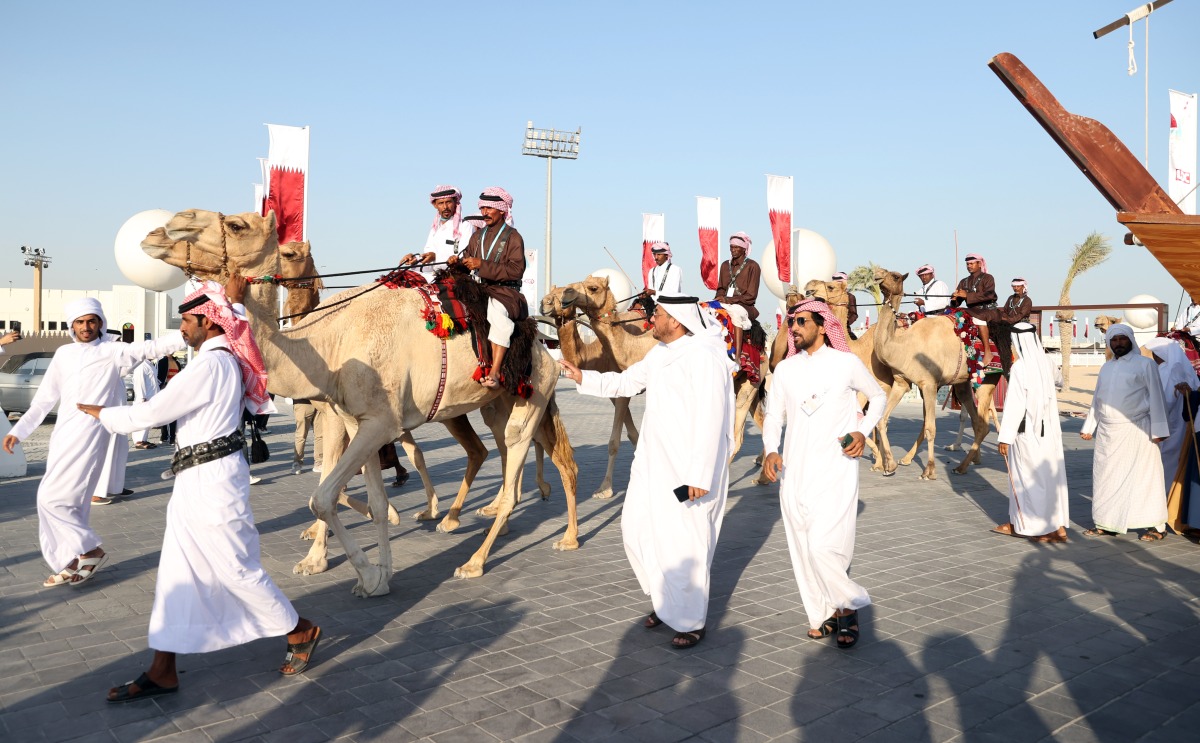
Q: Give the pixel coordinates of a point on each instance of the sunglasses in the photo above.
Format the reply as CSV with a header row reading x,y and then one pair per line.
x,y
798,321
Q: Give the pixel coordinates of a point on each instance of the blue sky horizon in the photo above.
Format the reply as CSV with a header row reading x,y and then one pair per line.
x,y
897,133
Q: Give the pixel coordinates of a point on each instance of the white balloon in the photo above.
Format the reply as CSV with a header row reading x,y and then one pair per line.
x,y
619,286
141,269
815,257
1142,318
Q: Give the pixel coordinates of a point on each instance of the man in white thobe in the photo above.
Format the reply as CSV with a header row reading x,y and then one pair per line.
x,y
212,591
447,235
934,296
1174,370
680,474
1031,443
78,462
1188,320
665,277
815,391
145,386
1128,420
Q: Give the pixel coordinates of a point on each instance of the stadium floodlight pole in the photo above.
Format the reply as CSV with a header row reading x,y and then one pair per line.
x,y
37,258
1130,18
550,144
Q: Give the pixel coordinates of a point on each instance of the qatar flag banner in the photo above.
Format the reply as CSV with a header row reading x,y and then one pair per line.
x,y
260,196
1181,181
779,203
708,217
287,187
654,230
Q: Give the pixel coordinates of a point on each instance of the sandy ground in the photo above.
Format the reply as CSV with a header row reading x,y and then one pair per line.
x,y
1075,399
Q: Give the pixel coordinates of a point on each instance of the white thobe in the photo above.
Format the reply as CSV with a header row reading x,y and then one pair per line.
x,y
1189,320
442,244
817,396
145,386
78,463
936,295
665,278
1127,473
687,434
1037,499
212,591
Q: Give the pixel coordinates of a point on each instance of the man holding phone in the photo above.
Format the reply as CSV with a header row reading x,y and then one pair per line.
x,y
687,434
816,391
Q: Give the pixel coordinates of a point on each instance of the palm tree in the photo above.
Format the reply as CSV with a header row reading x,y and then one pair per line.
x,y
1088,254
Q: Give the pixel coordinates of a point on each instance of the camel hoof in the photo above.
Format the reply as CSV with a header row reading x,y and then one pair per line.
x,y
376,577
468,571
429,514
567,544
889,473
544,489
503,530
488,512
603,493
904,462
310,566
928,475
952,447
309,534
760,480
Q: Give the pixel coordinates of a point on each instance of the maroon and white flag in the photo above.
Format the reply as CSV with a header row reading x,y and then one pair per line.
x,y
287,175
708,217
779,202
654,229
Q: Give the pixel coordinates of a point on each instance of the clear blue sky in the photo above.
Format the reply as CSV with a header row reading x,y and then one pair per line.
x,y
896,131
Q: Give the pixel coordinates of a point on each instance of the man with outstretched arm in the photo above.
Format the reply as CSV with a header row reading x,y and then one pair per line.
x,y
212,591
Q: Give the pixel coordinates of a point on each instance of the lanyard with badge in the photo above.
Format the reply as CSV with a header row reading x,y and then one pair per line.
x,y
483,239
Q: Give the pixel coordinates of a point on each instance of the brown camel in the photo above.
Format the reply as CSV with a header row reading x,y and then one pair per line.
x,y
928,354
615,348
371,359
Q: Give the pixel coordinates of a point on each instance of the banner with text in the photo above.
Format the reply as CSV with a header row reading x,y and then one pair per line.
x,y
1181,181
708,218
654,229
779,202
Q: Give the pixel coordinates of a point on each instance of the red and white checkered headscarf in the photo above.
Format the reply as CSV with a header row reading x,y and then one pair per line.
x,y
835,337
448,192
978,257
661,247
742,239
217,308
497,198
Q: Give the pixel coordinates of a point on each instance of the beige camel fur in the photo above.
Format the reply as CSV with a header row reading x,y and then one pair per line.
x,y
928,354
372,360
615,348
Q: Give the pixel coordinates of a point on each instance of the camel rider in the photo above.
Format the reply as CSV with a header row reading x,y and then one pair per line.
x,y
935,295
664,277
1016,309
496,253
737,287
448,231
851,303
978,292
1188,322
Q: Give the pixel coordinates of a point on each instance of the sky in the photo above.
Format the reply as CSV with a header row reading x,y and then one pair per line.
x,y
898,135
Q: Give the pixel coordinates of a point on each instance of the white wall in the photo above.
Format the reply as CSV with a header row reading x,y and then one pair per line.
x,y
147,311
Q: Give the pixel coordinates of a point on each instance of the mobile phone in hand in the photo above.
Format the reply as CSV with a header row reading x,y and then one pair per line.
x,y
681,493
846,440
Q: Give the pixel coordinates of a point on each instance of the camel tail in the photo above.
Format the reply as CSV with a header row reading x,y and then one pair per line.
x,y
559,445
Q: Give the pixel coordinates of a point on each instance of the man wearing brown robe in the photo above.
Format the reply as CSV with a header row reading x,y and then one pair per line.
x,y
738,283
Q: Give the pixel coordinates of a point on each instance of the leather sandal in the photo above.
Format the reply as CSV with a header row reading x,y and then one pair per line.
x,y
299,655
827,628
685,640
847,629
651,621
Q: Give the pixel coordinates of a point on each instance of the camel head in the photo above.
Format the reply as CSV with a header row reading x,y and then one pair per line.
x,y
833,293
295,260
592,296
891,285
1104,322
553,307
208,244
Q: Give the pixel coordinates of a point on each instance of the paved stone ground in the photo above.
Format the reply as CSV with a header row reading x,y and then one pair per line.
x,y
973,636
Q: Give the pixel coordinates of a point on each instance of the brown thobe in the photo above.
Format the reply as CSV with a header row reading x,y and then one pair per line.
x,y
1000,321
502,250
745,286
980,289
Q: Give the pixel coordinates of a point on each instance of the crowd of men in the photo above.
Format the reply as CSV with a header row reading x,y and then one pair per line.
x,y
213,593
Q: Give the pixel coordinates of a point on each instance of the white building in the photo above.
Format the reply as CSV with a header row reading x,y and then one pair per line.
x,y
146,311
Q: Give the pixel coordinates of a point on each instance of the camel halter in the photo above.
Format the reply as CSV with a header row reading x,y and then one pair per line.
x,y
187,270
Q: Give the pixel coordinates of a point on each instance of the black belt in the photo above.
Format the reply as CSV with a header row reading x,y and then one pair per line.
x,y
982,306
209,451
506,284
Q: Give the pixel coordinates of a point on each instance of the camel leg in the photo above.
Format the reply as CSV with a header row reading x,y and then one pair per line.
x,y
761,477
985,405
962,425
519,431
978,423
912,453
552,435
371,434
631,431
743,396
334,434
540,469
885,446
417,458
466,437
620,410
929,428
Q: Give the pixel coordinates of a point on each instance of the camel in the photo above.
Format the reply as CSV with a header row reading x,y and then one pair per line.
x,y
927,354
594,298
616,348
370,358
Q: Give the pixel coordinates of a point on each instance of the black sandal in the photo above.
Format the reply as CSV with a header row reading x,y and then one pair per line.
x,y
146,689
827,628
847,627
299,655
687,639
651,621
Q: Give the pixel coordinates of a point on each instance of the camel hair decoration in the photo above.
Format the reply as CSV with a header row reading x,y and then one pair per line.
x,y
370,358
